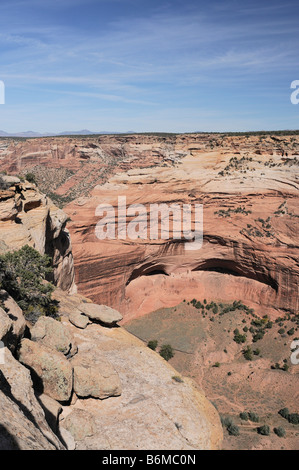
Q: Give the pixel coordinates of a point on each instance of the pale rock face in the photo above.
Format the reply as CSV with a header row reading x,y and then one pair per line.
x,y
51,367
53,334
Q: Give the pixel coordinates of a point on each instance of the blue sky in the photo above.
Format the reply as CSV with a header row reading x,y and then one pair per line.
x,y
123,65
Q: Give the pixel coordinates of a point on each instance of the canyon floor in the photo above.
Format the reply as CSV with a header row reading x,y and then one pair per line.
x,y
205,349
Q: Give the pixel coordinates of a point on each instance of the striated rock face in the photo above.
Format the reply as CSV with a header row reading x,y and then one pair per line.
x,y
29,217
250,239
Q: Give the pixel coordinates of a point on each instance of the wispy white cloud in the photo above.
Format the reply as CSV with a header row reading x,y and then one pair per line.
x,y
167,56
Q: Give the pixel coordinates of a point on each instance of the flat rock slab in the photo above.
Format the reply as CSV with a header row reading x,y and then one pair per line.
x,y
102,313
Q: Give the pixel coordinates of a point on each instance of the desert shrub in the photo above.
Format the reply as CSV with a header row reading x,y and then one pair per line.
x,y
217,364
22,275
244,416
152,344
293,418
284,412
280,431
253,417
229,425
177,378
239,338
257,336
226,421
30,177
264,430
233,430
166,352
247,353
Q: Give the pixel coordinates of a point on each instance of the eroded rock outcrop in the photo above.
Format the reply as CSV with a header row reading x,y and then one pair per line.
x,y
29,217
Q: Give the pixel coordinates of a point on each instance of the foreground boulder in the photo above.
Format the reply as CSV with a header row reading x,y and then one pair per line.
x,y
22,419
101,313
79,320
94,377
52,371
54,335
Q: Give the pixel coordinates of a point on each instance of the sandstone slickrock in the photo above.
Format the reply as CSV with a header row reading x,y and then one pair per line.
x,y
102,313
22,420
51,368
95,377
54,335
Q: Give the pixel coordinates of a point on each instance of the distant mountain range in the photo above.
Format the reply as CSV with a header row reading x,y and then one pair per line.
x,y
48,134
